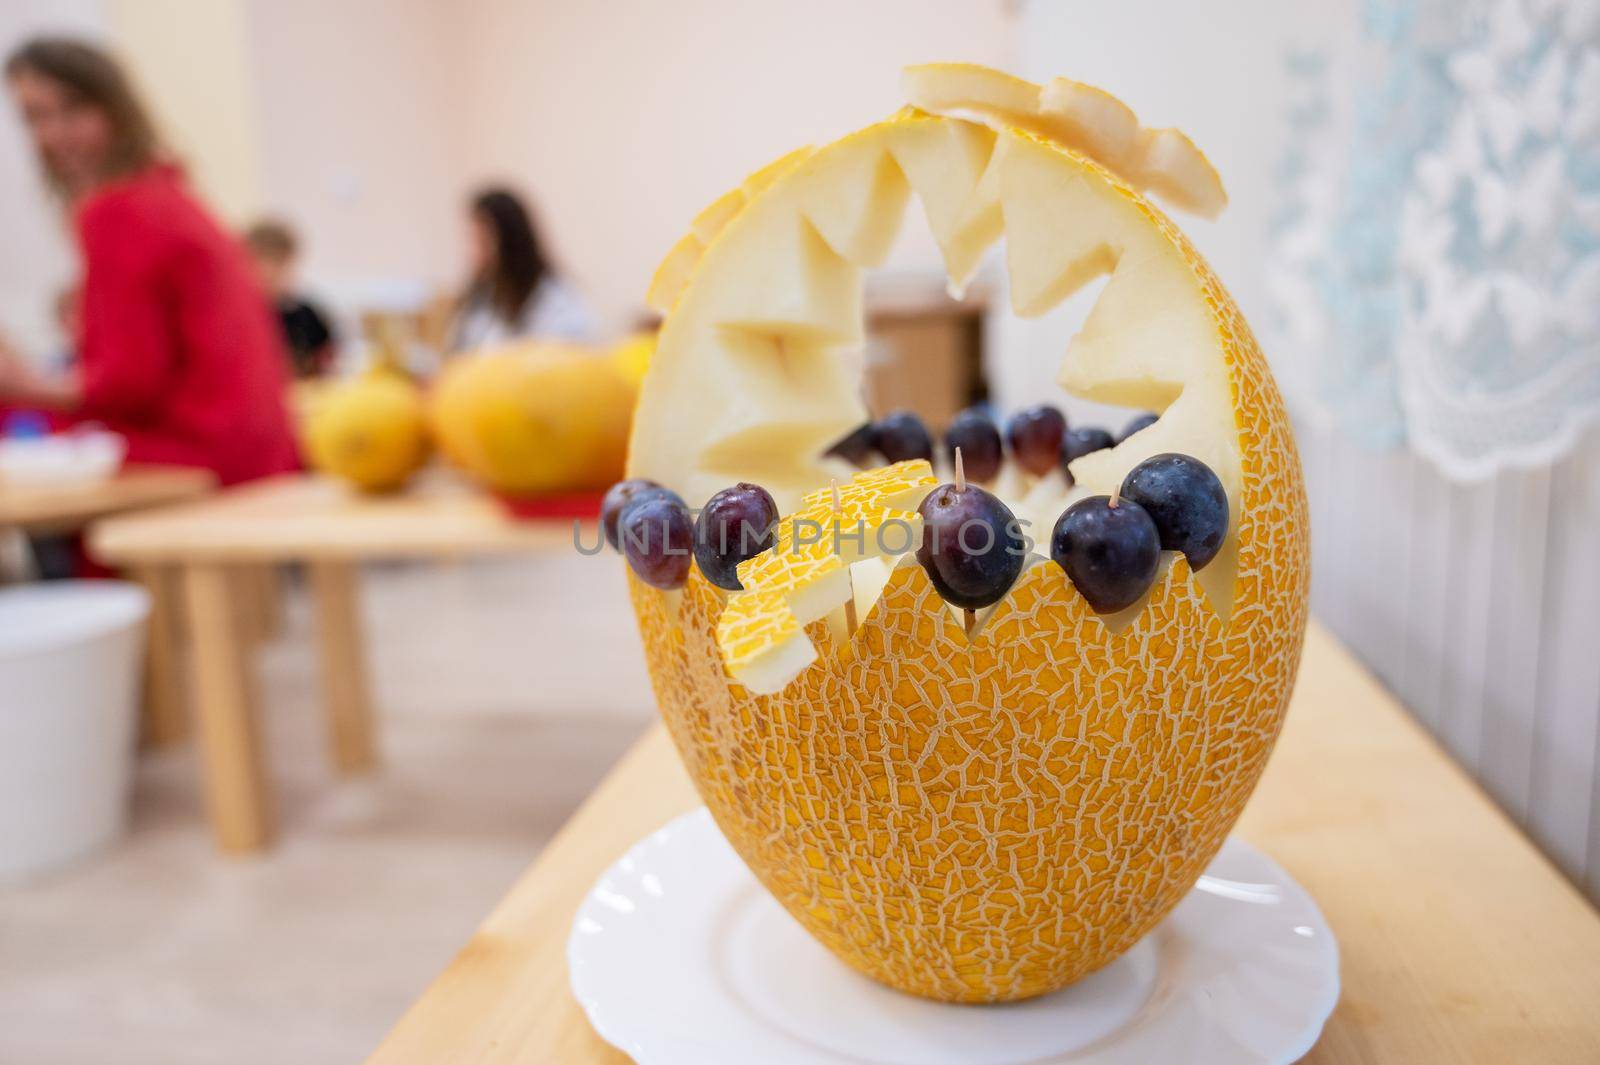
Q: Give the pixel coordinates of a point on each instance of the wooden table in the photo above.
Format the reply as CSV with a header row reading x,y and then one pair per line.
x,y
330,529
45,509
1459,942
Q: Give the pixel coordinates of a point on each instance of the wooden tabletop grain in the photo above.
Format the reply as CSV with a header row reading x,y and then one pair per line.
x,y
1459,942
62,508
300,517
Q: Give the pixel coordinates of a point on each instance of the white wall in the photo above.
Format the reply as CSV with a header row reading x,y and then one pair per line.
x,y
359,115
1476,604
188,59
624,119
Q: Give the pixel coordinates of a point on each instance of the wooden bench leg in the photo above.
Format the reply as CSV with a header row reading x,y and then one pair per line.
x,y
344,670
165,719
225,703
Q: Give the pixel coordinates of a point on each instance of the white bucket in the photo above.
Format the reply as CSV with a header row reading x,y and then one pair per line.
x,y
69,681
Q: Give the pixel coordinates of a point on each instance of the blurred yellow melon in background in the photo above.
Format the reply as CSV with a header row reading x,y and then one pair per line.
x,y
535,419
371,431
632,356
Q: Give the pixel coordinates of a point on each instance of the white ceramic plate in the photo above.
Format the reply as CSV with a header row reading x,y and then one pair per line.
x,y
679,957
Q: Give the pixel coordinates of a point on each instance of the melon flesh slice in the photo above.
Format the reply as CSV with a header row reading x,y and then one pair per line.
x,y
806,575
680,262
946,163
1082,117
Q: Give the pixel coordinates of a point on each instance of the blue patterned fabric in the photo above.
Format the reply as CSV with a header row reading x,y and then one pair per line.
x,y
1438,247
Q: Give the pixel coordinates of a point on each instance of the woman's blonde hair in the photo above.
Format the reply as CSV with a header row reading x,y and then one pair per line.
x,y
93,76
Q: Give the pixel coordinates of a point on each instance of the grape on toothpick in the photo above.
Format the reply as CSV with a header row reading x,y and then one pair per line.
x,y
658,541
1142,421
974,434
1034,435
972,547
736,524
1080,442
901,436
1110,550
856,446
622,495
1186,501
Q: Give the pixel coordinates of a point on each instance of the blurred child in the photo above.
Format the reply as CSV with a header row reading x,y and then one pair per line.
x,y
306,330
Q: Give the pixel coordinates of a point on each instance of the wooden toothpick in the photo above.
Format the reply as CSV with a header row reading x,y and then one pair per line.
x,y
969,618
850,597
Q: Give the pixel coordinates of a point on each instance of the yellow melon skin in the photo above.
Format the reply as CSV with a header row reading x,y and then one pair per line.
x,y
991,821
535,419
370,431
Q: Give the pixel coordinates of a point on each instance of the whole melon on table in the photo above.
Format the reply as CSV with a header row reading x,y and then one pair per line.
x,y
370,431
988,817
535,419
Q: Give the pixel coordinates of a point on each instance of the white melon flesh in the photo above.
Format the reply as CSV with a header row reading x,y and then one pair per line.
x,y
1077,116
751,379
855,197
945,163
680,263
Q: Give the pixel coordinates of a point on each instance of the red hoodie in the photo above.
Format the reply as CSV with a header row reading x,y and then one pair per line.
x,y
180,351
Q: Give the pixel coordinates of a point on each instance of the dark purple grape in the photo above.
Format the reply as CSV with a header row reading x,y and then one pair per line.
x,y
622,495
975,434
972,545
737,523
856,446
901,436
1186,501
1109,552
1080,442
658,540
1034,435
1143,421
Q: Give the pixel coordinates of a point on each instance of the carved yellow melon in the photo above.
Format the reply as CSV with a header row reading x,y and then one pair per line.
x,y
986,817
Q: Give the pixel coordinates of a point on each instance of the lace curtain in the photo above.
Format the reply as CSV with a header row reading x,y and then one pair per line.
x,y
1437,252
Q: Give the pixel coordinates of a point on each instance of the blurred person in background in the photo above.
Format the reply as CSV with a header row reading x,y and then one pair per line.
x,y
306,331
176,350
515,290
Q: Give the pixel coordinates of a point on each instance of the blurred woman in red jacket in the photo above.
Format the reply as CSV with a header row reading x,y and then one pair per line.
x,y
178,349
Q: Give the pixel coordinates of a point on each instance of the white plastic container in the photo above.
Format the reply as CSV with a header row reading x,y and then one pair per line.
x,y
82,456
69,680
